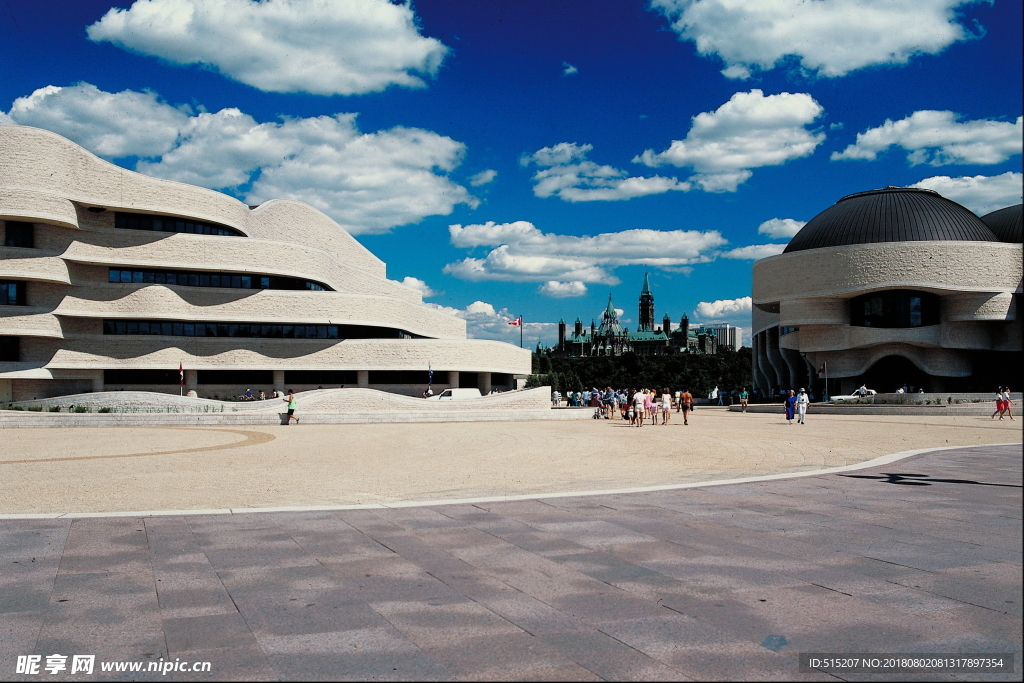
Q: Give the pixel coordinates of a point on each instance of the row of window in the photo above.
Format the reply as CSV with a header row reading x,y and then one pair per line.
x,y
207,279
139,221
19,234
265,378
10,349
171,328
895,308
12,293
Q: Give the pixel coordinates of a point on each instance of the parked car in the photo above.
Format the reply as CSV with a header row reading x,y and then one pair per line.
x,y
456,395
853,397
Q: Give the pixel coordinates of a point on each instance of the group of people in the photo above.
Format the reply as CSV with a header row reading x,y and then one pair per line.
x,y
1004,406
637,406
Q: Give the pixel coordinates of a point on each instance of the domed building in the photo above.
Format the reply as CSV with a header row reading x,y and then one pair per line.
x,y
891,287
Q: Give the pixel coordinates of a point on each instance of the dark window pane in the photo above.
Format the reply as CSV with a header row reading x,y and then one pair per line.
x,y
137,276
19,234
190,330
148,277
246,282
193,279
126,276
214,280
122,327
160,277
236,281
287,331
264,282
204,280
143,327
114,276
332,332
166,329
172,278
179,329
133,327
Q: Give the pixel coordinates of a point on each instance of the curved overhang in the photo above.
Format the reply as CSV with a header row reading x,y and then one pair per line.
x,y
42,166
37,207
941,267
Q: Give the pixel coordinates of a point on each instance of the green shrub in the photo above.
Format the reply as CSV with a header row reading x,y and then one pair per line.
x,y
83,409
36,409
54,409
105,409
14,408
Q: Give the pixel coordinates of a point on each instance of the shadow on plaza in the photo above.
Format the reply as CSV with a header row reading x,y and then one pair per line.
x,y
920,480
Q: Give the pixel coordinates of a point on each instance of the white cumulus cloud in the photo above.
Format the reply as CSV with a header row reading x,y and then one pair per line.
x,y
483,177
825,37
112,125
484,321
368,182
316,46
523,253
749,131
568,69
939,138
754,251
723,309
780,228
562,290
566,173
420,286
981,194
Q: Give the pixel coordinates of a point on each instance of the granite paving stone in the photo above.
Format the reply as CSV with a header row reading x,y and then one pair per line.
x,y
724,582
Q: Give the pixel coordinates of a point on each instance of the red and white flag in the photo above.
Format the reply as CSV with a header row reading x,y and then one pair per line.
x,y
517,321
181,373
821,370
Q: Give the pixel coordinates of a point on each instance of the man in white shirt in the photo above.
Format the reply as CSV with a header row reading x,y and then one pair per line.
x,y
802,401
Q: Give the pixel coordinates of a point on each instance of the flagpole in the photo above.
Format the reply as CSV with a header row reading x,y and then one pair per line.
x,y
520,331
825,365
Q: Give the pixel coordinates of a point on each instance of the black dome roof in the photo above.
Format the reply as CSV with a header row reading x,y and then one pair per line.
x,y
1006,223
892,214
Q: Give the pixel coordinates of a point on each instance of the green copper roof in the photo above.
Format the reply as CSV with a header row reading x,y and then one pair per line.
x,y
609,312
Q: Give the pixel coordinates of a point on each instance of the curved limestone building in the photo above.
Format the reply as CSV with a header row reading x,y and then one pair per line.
x,y
110,280
890,287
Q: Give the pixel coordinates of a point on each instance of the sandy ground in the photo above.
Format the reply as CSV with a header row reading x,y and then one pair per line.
x,y
190,468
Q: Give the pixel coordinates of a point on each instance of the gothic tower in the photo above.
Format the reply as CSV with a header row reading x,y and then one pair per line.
x,y
666,325
684,330
646,307
578,327
561,334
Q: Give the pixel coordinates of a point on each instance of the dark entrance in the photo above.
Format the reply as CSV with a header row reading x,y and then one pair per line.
x,y
891,372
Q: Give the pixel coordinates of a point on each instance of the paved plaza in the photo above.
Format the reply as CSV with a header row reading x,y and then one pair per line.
x,y
711,582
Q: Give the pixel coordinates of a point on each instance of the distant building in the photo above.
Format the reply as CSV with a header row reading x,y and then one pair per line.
x,y
610,338
725,334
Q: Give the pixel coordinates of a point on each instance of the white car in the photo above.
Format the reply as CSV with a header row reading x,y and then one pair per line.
x,y
852,397
456,395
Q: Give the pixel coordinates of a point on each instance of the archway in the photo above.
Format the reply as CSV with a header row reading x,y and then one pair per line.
x,y
891,372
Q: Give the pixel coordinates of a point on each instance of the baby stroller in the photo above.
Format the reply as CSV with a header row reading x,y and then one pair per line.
x,y
598,412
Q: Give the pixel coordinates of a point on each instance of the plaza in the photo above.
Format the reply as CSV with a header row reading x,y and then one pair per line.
x,y
557,550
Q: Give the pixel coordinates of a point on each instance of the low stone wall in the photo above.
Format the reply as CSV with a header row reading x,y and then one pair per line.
x,y
947,398
868,409
325,406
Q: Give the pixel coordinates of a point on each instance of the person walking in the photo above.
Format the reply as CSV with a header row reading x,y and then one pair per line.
x,y
1000,408
666,405
638,406
290,400
1007,402
744,398
790,406
686,401
802,401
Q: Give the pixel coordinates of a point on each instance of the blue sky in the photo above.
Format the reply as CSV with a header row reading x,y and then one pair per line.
x,y
531,157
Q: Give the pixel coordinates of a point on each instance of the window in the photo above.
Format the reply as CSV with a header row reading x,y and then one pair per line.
x,y
19,234
201,279
253,377
142,377
138,221
401,377
176,328
788,330
320,377
12,293
895,308
10,349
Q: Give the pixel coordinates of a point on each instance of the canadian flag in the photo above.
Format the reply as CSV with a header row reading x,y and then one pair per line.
x,y
181,373
517,321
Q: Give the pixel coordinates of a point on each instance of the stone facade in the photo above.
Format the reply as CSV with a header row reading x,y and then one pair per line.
x,y
805,318
61,333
